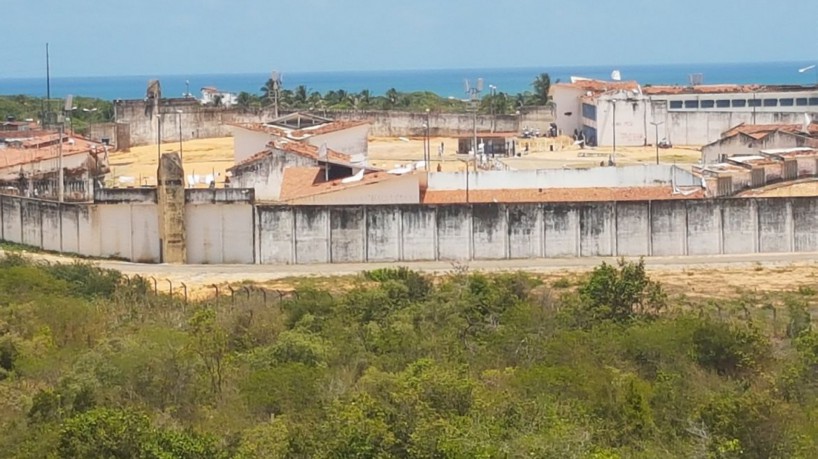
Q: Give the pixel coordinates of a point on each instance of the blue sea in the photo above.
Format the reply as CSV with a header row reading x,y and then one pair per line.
x,y
445,83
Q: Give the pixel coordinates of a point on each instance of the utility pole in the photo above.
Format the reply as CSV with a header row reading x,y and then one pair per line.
x,y
69,102
47,81
61,173
427,145
613,102
158,145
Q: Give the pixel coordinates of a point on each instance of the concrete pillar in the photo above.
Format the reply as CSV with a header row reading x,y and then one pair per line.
x,y
171,202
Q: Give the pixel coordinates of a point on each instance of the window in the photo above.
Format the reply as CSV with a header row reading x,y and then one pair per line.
x,y
801,101
691,104
813,100
786,102
589,111
675,104
754,102
708,103
739,103
724,103
770,102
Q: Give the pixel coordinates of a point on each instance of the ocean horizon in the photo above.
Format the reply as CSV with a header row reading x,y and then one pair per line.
x,y
444,82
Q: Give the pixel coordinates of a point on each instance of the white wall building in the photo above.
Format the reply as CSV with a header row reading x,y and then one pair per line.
x,y
608,112
212,96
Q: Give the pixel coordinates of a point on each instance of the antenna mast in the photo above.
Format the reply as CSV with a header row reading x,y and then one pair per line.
x,y
47,82
473,92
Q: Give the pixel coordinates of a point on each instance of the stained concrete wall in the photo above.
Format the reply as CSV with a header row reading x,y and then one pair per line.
x,y
201,121
241,233
498,231
219,233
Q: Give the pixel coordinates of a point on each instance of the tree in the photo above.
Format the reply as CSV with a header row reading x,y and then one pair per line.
x,y
300,96
244,100
621,294
542,87
392,97
210,344
268,91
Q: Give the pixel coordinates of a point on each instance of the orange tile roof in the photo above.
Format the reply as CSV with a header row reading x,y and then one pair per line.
x,y
719,89
759,131
298,148
600,86
558,195
300,182
18,156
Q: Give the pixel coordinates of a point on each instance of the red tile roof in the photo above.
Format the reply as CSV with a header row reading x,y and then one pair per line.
x,y
719,89
559,195
600,86
18,156
300,182
759,131
298,148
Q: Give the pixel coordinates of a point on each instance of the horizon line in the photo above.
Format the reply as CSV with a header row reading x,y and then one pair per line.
x,y
542,69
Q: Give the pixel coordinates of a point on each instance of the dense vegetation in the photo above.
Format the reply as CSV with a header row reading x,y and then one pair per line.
x,y
93,365
301,98
85,110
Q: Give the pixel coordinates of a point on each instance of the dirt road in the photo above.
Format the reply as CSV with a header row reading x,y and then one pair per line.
x,y
695,275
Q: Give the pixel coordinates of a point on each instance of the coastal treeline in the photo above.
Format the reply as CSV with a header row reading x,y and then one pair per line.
x,y
395,364
302,98
84,111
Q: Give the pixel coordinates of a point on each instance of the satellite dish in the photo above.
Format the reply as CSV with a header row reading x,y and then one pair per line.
x,y
616,75
806,69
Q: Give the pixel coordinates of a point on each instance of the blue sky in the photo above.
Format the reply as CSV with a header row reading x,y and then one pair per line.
x,y
139,37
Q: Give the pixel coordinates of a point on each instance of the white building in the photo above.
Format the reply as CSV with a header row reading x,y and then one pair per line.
x,y
212,96
623,112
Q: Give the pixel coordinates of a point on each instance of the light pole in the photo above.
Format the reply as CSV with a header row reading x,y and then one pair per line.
x,y
427,145
179,118
613,103
158,145
656,125
493,92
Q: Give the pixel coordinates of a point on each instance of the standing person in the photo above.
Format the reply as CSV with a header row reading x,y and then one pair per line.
x,y
440,151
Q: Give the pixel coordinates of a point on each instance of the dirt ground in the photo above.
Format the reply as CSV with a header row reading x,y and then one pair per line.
x,y
390,152
200,157
213,156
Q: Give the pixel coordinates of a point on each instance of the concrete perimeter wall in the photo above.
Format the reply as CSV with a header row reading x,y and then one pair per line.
x,y
133,127
626,176
240,233
297,235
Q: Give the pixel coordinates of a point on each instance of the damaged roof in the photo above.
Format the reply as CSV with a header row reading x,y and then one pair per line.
x,y
298,148
301,182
